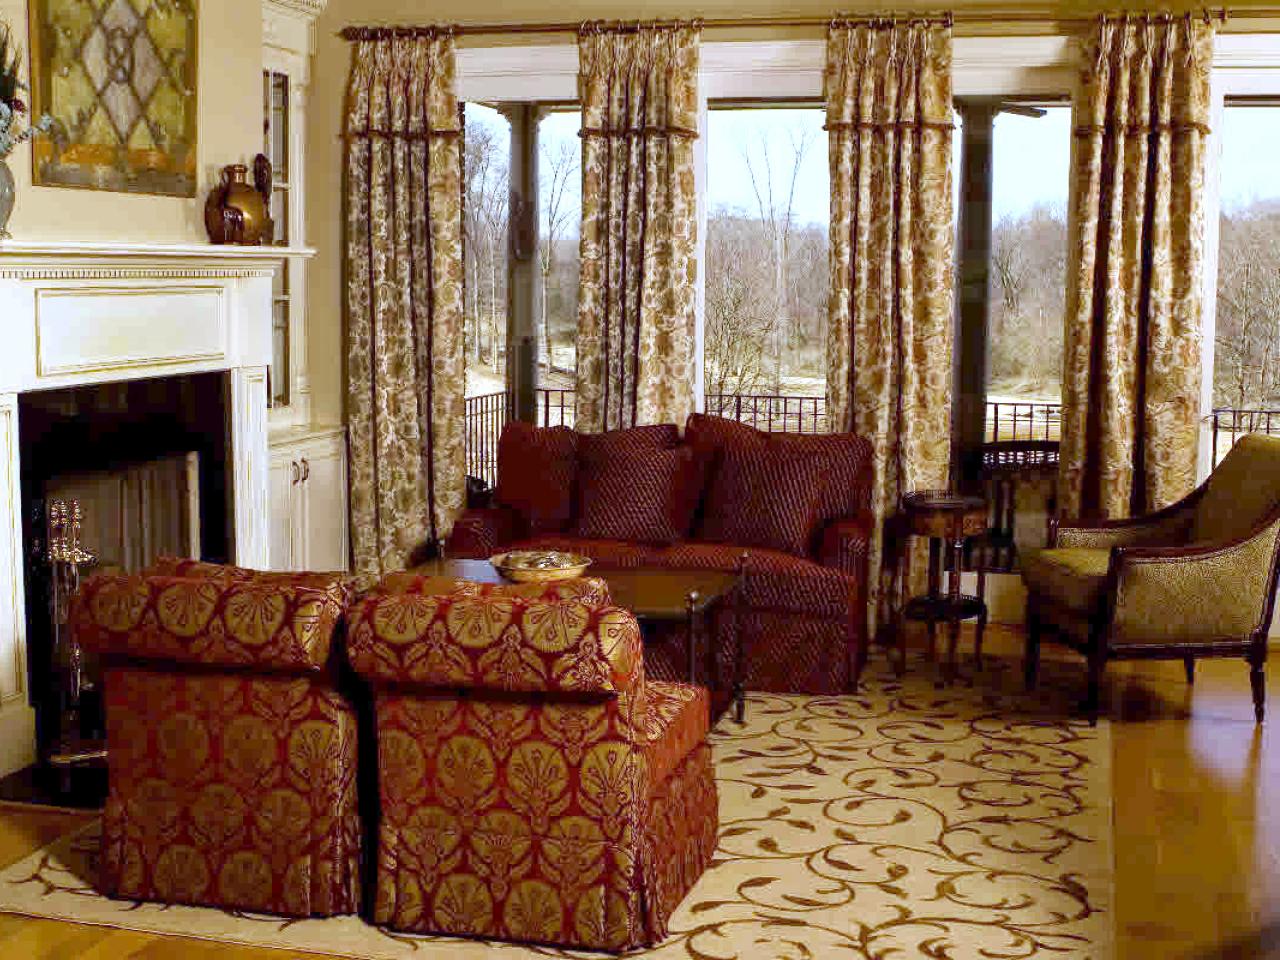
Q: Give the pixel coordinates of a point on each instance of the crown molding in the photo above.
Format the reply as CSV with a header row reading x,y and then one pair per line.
x,y
312,8
97,260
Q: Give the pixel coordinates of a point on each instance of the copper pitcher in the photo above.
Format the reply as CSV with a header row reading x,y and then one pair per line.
x,y
235,211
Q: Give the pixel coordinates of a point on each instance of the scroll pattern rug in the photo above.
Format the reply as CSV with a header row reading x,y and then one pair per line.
x,y
905,821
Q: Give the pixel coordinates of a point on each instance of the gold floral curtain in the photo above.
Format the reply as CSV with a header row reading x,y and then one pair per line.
x,y
405,375
888,90
1131,377
636,329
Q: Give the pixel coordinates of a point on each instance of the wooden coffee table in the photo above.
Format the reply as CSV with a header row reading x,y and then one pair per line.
x,y
653,596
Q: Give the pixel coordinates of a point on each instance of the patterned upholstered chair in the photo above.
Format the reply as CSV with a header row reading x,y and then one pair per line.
x,y
1197,579
232,753
533,785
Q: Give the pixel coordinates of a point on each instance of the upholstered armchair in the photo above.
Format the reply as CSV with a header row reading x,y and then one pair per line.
x,y
232,751
1197,579
533,785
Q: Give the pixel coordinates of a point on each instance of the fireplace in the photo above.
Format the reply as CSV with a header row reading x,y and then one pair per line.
x,y
146,462
134,379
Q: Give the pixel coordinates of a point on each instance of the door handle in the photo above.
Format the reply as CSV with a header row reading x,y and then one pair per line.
x,y
306,469
297,472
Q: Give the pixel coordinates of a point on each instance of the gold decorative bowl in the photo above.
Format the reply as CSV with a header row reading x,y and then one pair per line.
x,y
540,566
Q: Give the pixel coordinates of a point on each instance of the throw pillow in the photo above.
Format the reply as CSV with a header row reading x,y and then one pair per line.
x,y
536,468
597,447
643,496
846,482
709,435
764,497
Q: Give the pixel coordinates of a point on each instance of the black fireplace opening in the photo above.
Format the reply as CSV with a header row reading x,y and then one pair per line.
x,y
149,463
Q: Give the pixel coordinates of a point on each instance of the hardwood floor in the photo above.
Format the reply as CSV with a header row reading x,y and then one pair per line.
x,y
1197,826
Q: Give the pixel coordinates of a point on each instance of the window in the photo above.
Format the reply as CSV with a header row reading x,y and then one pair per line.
x,y
1246,373
559,223
486,165
768,210
276,148
1031,158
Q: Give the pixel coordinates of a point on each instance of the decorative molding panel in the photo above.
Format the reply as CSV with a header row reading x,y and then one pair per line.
x,y
312,8
250,467
95,329
39,272
17,719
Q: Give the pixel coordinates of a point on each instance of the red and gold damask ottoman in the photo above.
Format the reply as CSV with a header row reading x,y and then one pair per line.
x,y
533,786
232,754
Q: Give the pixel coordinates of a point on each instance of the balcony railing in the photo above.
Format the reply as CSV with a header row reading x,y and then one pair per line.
x,y
1229,425
771,413
1018,420
488,414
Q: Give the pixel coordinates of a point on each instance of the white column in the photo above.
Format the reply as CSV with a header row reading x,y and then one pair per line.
x,y
17,718
250,467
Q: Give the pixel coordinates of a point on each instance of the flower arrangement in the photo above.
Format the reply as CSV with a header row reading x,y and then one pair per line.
x,y
12,107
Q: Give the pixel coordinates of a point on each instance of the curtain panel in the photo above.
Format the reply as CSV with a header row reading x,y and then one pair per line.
x,y
1132,370
889,123
636,325
405,374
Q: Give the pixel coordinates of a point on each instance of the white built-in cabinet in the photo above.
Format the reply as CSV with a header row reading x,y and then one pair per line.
x,y
309,502
308,479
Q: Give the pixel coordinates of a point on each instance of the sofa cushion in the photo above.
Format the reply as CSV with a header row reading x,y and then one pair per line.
x,y
677,718
775,580
1074,578
647,496
536,468
624,554
763,497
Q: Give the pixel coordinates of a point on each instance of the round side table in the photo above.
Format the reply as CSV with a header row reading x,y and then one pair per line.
x,y
948,520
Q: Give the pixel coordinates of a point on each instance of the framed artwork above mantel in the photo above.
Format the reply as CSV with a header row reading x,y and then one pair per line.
x,y
120,78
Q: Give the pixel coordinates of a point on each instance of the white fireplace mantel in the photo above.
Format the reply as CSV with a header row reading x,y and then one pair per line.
x,y
74,313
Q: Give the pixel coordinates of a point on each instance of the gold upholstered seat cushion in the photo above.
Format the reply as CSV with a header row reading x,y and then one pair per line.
x,y
1073,577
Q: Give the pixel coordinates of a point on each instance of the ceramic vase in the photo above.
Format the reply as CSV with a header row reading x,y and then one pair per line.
x,y
7,196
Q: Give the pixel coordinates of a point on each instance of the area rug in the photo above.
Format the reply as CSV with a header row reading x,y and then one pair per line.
x,y
904,821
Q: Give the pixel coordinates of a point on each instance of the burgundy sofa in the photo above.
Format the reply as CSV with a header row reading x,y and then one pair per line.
x,y
798,506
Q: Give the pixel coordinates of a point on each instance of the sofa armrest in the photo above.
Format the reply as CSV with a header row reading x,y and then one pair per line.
x,y
480,533
1169,527
496,642
1195,594
268,626
845,545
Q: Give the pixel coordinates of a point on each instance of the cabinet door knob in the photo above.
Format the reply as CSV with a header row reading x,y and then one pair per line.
x,y
297,472
306,469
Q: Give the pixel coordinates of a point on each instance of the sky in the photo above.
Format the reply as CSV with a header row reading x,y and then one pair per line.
x,y
1250,149
1032,157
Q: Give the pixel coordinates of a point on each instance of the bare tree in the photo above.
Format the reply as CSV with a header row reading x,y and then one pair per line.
x,y
742,303
1028,288
775,207
1247,342
557,170
485,173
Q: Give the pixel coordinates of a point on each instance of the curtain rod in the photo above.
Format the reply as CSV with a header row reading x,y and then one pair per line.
x,y
977,17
